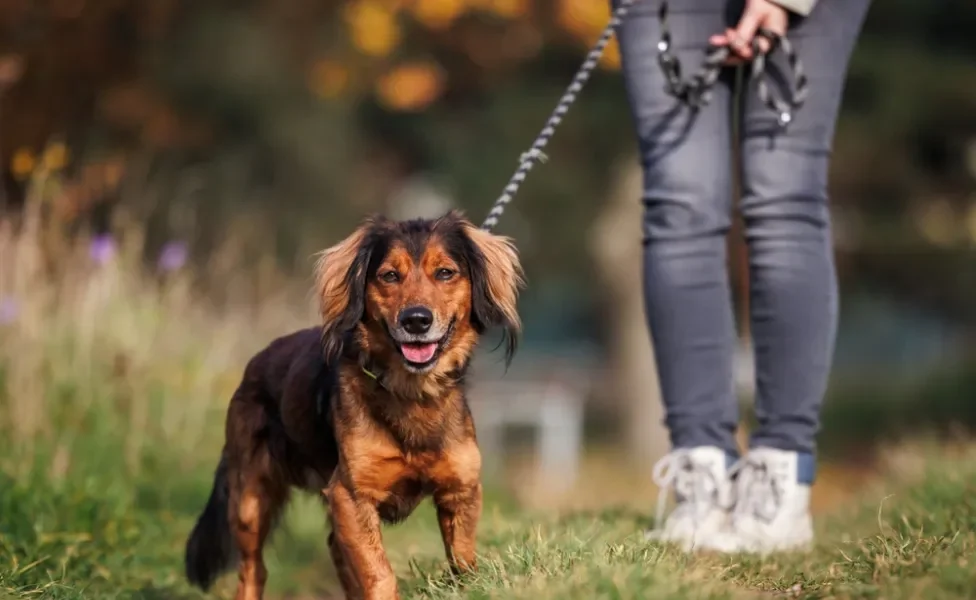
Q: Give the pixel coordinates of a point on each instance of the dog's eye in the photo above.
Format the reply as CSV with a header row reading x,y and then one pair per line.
x,y
444,274
390,276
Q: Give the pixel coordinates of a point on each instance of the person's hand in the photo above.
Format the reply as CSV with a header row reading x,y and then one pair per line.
x,y
758,14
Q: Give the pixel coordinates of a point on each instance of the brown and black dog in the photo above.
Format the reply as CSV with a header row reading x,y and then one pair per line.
x,y
368,409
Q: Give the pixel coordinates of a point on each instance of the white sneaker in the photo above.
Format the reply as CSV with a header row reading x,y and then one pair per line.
x,y
702,489
772,510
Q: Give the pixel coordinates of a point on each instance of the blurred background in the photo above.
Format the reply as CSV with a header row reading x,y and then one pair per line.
x,y
170,167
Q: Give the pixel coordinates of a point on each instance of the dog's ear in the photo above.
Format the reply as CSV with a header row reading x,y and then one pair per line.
x,y
496,278
340,281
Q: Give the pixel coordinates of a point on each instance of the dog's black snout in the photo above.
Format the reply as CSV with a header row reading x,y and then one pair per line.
x,y
416,320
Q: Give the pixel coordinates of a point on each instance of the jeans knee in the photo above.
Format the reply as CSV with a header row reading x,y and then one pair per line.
x,y
787,231
686,214
685,262
687,192
787,212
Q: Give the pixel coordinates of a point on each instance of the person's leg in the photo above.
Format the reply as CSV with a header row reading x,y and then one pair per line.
x,y
686,160
793,297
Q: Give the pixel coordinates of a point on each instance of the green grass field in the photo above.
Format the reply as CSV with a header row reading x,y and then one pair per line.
x,y
113,388
909,535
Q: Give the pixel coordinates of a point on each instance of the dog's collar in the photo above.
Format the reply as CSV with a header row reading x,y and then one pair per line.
x,y
455,375
373,374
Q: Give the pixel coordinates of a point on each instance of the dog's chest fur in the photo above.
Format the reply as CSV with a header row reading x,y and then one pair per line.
x,y
396,452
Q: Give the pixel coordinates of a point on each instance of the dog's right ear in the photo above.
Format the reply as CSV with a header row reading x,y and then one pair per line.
x,y
340,278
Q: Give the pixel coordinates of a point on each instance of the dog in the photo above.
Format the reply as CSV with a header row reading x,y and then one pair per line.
x,y
367,409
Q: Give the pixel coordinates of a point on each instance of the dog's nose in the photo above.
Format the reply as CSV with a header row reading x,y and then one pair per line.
x,y
416,320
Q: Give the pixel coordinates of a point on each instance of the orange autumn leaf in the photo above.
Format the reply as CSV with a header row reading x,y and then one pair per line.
x,y
509,9
22,164
372,27
611,56
585,19
410,87
437,14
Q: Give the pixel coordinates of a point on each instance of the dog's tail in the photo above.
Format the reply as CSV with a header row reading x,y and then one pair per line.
x,y
210,549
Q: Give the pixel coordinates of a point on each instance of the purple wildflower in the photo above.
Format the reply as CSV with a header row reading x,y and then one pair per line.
x,y
173,256
102,248
9,309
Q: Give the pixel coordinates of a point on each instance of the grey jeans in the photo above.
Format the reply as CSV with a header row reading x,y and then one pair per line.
x,y
687,159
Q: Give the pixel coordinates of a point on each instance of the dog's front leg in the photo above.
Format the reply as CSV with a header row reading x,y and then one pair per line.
x,y
356,533
458,512
347,579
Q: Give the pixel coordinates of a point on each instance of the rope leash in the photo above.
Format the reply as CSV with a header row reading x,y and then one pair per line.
x,y
800,87
535,152
695,92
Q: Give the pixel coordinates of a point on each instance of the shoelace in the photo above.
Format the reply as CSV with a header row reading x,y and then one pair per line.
x,y
691,481
759,490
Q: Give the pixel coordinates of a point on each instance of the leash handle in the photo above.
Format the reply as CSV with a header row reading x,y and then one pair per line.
x,y
536,152
800,85
696,91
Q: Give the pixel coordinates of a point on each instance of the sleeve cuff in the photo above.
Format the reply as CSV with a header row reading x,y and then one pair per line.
x,y
800,7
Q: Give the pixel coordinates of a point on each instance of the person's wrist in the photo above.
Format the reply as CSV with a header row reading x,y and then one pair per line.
x,y
800,7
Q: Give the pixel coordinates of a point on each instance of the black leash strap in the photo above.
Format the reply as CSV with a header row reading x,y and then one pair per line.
x,y
800,85
695,92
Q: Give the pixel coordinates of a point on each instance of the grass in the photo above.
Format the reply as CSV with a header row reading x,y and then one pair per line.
x,y
113,386
912,534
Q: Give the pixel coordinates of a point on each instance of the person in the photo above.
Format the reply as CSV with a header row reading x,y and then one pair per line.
x,y
759,502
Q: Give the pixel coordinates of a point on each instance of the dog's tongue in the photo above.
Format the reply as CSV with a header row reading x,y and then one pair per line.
x,y
419,353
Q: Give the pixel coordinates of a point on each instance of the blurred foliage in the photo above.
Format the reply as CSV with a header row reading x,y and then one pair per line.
x,y
296,117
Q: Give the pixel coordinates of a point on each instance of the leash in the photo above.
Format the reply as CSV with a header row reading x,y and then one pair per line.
x,y
694,92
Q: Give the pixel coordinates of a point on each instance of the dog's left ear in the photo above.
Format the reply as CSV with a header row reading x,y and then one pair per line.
x,y
496,278
340,278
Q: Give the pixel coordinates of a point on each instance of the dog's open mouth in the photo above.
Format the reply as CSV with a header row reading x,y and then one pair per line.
x,y
419,354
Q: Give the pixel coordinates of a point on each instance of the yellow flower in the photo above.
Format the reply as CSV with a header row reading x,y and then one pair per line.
x,y
328,79
410,87
22,164
55,157
373,27
437,14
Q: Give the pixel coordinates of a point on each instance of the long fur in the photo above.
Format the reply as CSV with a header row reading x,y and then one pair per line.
x,y
303,399
496,277
210,548
492,262
340,275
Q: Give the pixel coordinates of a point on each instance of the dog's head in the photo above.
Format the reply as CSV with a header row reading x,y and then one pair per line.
x,y
418,293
